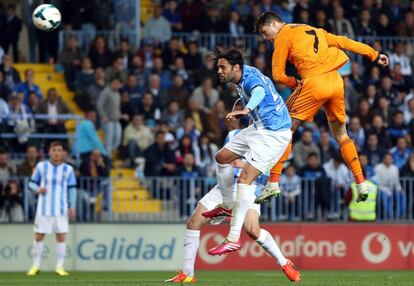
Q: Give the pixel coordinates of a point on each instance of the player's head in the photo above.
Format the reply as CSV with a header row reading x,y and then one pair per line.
x,y
229,65
55,152
268,25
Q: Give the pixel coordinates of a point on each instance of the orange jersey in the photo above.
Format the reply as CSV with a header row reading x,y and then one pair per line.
x,y
312,51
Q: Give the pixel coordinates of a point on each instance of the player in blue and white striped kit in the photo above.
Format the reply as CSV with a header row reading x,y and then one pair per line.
x,y
54,182
261,144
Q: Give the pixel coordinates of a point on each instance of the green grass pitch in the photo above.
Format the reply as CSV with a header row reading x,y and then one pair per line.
x,y
215,278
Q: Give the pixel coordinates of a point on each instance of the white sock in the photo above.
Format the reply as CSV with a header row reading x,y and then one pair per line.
x,y
245,198
191,242
269,244
37,252
60,253
225,179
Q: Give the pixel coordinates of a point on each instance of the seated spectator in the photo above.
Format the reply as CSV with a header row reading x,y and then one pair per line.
x,y
397,127
137,138
4,89
149,110
7,168
125,53
400,153
127,110
26,168
188,129
134,90
99,53
89,138
94,90
137,69
364,113
356,132
290,183
235,27
302,149
161,71
173,15
173,116
372,149
27,86
213,21
199,116
364,26
217,119
284,11
387,90
371,94
391,194
116,70
382,107
207,70
147,54
11,75
185,146
4,114
193,60
383,26
159,158
407,170
71,58
158,28
94,165
11,203
159,93
399,57
171,52
205,152
367,168
178,92
35,106
378,127
409,109
205,95
85,77
312,169
179,68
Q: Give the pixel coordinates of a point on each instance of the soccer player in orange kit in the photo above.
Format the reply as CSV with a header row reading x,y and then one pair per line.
x,y
317,56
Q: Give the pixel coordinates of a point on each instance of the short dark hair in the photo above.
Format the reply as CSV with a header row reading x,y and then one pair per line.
x,y
265,19
313,154
232,55
55,143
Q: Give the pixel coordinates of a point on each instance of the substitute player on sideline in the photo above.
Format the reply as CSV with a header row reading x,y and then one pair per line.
x,y
251,225
317,56
55,184
261,144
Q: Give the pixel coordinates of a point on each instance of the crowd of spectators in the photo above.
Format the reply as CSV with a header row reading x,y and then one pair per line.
x,y
162,103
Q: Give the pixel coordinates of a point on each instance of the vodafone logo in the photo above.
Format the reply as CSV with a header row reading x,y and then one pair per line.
x,y
202,252
383,254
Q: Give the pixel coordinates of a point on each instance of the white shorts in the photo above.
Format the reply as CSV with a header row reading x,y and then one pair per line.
x,y
262,148
51,224
214,198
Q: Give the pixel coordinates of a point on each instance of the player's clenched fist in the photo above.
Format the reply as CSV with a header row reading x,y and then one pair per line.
x,y
383,60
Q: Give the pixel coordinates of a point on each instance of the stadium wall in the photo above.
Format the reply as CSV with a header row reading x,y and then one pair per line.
x,y
135,247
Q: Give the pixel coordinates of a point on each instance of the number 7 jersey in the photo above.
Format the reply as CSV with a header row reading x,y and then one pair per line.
x,y
312,51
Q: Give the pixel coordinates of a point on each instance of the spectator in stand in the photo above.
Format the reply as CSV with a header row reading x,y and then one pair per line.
x,y
147,54
408,169
26,168
127,111
340,25
374,76
149,110
290,183
53,106
159,93
116,70
109,108
4,89
12,32
356,132
7,168
159,158
301,5
409,109
364,26
188,129
191,14
397,127
133,90
27,86
171,52
356,77
205,95
399,57
185,146
178,92
390,191
250,17
351,96
85,77
218,126
243,8
382,107
137,138
163,73
11,203
71,59
235,27
207,70
383,27
213,21
321,21
89,138
405,28
99,53
179,68
204,156
401,152
399,82
124,52
373,151
11,75
4,114
173,116
367,168
193,60
303,148
199,116
91,97
284,11
326,148
371,94
173,16
378,128
95,165
364,113
137,69
158,28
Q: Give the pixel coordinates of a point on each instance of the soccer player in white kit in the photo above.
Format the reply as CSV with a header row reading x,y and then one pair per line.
x,y
251,224
261,144
54,182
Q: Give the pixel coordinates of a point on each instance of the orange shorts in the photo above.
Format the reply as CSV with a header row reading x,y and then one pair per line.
x,y
325,90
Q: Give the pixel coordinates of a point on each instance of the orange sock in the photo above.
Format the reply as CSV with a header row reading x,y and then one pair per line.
x,y
277,169
350,155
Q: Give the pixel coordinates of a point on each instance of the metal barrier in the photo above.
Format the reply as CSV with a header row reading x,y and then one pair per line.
x,y
173,199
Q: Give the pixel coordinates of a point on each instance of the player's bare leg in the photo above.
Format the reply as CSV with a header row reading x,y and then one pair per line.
x,y
37,250
350,156
225,181
60,254
272,187
266,241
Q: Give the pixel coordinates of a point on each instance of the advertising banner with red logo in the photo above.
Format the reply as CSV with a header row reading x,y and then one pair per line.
x,y
317,246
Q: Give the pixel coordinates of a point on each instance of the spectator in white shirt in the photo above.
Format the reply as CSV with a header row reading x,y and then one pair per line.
x,y
158,28
290,183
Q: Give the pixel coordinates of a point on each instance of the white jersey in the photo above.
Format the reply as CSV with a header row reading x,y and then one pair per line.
x,y
57,179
